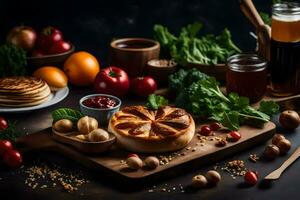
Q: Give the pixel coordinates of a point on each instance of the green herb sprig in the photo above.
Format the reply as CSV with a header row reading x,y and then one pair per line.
x,y
156,101
11,133
66,113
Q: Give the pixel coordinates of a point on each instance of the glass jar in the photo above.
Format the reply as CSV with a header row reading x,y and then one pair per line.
x,y
247,76
285,49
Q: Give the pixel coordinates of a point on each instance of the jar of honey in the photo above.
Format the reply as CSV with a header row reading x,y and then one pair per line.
x,y
247,76
285,49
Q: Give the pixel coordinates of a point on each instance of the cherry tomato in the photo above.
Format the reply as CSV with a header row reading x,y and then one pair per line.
x,y
215,126
59,47
234,136
205,130
48,37
251,177
112,80
132,155
12,158
5,145
143,86
3,124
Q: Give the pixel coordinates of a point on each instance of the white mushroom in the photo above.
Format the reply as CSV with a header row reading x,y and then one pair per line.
x,y
98,135
87,124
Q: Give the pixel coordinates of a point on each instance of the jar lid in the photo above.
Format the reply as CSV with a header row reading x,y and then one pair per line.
x,y
287,11
246,63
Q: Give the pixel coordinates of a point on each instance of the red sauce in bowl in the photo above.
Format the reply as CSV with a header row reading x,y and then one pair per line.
x,y
101,102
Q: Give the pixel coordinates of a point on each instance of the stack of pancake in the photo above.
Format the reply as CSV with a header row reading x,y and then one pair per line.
x,y
23,91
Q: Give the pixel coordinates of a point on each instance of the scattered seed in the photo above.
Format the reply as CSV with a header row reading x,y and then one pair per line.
x,y
253,158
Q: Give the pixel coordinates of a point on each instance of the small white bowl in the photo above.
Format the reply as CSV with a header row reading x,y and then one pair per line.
x,y
102,115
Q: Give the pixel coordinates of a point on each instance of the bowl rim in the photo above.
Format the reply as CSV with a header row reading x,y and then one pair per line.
x,y
72,49
149,63
155,43
100,109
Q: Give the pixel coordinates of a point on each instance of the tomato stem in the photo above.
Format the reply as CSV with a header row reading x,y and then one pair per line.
x,y
113,74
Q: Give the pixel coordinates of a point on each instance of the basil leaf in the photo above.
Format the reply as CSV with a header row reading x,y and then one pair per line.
x,y
156,101
66,113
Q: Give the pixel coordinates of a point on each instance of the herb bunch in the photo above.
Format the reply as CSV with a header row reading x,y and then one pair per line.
x,y
189,48
203,98
12,61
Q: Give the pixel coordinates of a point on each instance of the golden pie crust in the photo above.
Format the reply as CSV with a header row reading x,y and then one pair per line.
x,y
140,129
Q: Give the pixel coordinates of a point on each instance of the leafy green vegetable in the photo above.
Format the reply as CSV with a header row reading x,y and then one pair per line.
x,y
10,133
184,78
203,98
266,18
156,101
12,61
66,113
269,107
188,48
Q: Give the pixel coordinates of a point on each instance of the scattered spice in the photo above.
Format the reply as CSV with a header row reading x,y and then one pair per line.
x,y
253,158
38,176
235,168
167,188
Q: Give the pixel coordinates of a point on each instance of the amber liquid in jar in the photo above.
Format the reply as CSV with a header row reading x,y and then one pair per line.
x,y
247,76
285,50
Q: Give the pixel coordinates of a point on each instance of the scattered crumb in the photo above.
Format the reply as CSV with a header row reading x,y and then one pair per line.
x,y
235,168
44,176
253,158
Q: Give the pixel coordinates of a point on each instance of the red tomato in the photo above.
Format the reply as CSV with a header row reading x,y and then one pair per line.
x,y
143,86
215,126
235,136
12,158
5,145
251,177
48,37
3,124
205,130
112,80
59,47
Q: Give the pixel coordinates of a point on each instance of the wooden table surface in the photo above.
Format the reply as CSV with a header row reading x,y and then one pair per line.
x,y
102,186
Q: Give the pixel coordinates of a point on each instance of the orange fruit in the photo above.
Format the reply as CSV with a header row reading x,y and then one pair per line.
x,y
53,76
81,68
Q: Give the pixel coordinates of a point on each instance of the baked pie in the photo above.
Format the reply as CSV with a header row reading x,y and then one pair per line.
x,y
140,129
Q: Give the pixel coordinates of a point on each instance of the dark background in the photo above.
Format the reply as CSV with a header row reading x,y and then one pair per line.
x,y
91,24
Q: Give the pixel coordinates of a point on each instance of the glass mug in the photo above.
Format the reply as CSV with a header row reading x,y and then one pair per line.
x,y
247,76
285,49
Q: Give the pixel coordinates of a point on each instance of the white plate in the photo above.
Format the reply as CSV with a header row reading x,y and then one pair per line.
x,y
54,98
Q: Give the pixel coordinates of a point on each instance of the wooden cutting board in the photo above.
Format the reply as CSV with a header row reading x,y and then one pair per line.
x,y
195,154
